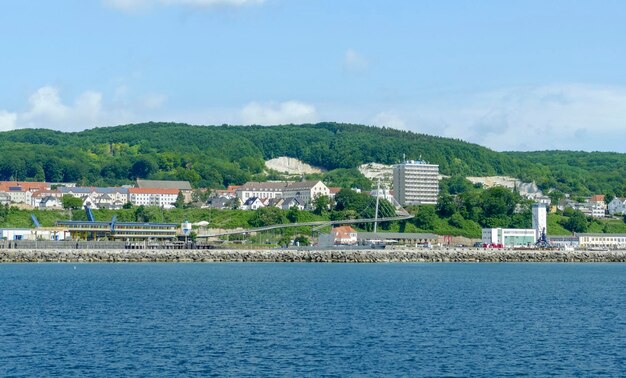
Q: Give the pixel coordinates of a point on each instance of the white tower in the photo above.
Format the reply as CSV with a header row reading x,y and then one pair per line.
x,y
540,224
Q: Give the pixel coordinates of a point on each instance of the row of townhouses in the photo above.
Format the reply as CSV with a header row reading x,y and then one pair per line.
x,y
41,195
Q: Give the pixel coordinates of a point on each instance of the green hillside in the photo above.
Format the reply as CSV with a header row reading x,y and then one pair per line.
x,y
217,156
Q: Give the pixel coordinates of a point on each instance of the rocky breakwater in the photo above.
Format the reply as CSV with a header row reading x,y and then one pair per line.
x,y
290,255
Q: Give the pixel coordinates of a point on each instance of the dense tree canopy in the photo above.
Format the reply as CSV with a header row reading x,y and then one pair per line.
x,y
218,156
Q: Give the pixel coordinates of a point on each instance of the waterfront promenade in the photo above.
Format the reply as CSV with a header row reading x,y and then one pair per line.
x,y
322,256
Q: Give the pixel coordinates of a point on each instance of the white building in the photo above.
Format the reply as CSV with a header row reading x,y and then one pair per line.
x,y
20,196
612,241
306,192
260,190
540,222
164,198
617,206
509,237
416,183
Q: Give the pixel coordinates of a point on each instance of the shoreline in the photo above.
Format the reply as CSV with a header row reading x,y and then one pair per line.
x,y
292,255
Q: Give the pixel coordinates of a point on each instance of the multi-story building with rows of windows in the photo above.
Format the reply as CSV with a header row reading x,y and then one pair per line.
x,y
416,183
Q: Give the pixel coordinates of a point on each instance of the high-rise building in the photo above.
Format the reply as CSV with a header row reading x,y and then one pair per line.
x,y
416,183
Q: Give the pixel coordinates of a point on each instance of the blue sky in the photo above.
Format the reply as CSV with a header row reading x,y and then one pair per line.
x,y
509,75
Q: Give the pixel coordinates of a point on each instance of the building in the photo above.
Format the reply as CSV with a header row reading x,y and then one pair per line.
x,y
86,230
164,198
306,191
401,238
612,241
617,206
111,198
182,186
540,221
509,237
344,235
252,203
260,189
416,183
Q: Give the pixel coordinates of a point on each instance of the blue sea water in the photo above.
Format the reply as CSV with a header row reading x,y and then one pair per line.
x,y
312,319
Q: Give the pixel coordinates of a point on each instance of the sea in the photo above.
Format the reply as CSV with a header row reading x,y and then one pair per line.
x,y
287,319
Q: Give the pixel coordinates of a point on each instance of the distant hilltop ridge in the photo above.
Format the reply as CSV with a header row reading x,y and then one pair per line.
x,y
219,156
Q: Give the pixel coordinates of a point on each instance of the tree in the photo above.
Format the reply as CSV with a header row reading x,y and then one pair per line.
x,y
577,222
608,198
302,241
425,217
321,204
142,168
498,201
70,202
456,220
127,205
446,205
267,216
180,201
292,214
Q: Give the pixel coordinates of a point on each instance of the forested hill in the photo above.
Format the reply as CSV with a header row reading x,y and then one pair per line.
x,y
216,156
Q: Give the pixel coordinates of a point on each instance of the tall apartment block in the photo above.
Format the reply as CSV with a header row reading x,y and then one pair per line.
x,y
416,183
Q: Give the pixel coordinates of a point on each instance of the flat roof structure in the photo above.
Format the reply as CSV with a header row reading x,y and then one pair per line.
x,y
120,230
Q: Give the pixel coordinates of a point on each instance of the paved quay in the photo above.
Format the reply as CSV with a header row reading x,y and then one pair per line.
x,y
322,256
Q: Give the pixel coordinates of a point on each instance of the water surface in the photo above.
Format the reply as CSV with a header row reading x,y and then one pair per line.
x,y
312,319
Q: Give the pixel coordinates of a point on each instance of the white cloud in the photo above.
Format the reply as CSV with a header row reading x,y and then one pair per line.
x,y
46,103
278,113
389,119
134,5
8,121
46,109
354,62
537,118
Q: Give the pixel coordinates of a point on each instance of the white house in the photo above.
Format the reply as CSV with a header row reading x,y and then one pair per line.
x,y
305,192
617,206
252,203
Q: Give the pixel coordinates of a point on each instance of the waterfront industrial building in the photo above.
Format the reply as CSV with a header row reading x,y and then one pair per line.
x,y
87,230
416,183
509,237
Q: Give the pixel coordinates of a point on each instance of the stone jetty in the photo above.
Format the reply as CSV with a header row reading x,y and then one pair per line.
x,y
321,256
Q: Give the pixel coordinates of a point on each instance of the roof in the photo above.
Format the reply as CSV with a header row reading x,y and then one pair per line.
x,y
251,200
92,189
334,190
604,235
27,186
164,184
152,191
303,185
344,229
254,185
396,235
597,198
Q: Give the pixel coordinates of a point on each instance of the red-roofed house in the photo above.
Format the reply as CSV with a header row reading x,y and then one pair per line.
x,y
344,235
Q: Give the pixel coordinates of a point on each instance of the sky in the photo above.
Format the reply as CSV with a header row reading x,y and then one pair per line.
x,y
508,75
